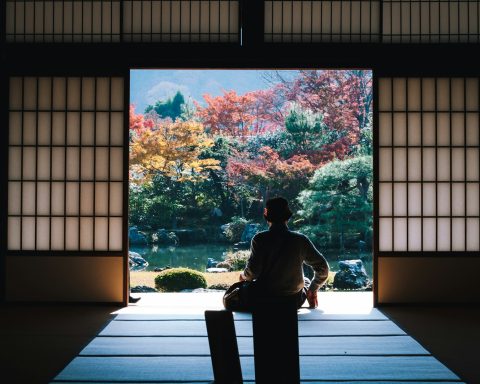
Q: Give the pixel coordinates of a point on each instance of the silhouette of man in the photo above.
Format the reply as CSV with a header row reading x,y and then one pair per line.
x,y
277,257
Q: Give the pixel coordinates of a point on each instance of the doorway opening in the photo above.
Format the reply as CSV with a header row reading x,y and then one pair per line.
x,y
209,147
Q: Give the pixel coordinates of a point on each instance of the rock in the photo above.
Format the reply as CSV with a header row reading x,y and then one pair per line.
x,y
217,212
216,270
352,275
142,289
362,246
250,230
135,237
369,286
162,237
222,237
219,286
161,269
224,264
136,261
191,236
211,263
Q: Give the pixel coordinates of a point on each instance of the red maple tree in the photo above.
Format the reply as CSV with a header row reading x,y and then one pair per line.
x,y
242,116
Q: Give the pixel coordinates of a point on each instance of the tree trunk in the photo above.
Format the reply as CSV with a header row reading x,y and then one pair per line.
x,y
363,186
264,192
218,187
342,242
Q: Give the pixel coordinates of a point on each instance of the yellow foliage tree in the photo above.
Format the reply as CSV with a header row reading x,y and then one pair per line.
x,y
170,148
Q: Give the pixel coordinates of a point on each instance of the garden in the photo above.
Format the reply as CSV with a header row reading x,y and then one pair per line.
x,y
202,168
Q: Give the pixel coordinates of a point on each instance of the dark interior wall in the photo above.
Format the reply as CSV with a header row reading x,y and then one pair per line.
x,y
232,36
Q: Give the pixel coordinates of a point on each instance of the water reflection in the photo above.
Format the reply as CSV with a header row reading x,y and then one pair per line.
x,y
196,256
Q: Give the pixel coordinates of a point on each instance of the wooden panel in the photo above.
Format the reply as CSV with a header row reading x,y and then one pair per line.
x,y
164,346
169,369
244,328
428,280
97,279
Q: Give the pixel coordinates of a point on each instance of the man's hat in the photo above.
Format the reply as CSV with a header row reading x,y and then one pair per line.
x,y
277,210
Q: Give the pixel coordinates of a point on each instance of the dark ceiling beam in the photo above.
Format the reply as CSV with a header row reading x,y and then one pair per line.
x,y
386,59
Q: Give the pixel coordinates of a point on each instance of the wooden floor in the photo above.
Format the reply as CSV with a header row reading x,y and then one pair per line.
x,y
163,339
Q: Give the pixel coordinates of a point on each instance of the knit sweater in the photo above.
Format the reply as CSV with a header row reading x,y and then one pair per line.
x,y
277,257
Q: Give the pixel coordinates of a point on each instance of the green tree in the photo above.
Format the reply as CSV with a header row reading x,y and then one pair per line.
x,y
172,107
304,128
158,204
365,142
216,187
337,205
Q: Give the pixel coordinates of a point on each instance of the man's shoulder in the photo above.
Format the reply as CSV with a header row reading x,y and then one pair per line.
x,y
298,235
261,235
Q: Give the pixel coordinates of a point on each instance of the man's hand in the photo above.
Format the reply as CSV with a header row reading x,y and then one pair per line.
x,y
312,298
241,277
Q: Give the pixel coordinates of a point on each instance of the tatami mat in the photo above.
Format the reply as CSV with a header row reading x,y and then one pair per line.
x,y
163,339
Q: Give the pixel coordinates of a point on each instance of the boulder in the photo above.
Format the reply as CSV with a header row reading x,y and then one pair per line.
x,y
351,275
191,236
251,229
163,237
211,263
161,269
135,237
223,228
224,264
136,261
142,289
219,286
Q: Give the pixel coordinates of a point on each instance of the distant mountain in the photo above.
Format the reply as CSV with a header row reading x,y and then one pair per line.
x,y
148,86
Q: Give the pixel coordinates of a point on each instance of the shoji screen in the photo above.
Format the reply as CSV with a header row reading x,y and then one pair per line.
x,y
428,192
63,21
65,189
97,21
387,21
322,21
431,21
181,21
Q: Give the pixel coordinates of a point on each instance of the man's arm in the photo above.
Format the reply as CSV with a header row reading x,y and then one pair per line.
x,y
319,264
255,261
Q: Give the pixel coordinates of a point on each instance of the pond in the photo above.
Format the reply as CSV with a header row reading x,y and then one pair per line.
x,y
196,256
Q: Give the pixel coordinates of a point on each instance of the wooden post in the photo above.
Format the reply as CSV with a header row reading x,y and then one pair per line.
x,y
223,347
252,21
275,341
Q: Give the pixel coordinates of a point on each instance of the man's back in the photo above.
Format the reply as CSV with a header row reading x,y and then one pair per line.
x,y
277,257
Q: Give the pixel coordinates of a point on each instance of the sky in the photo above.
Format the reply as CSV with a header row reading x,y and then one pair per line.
x,y
149,86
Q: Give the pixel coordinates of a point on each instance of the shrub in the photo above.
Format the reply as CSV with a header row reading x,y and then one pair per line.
x,y
220,286
224,264
234,229
237,260
177,279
